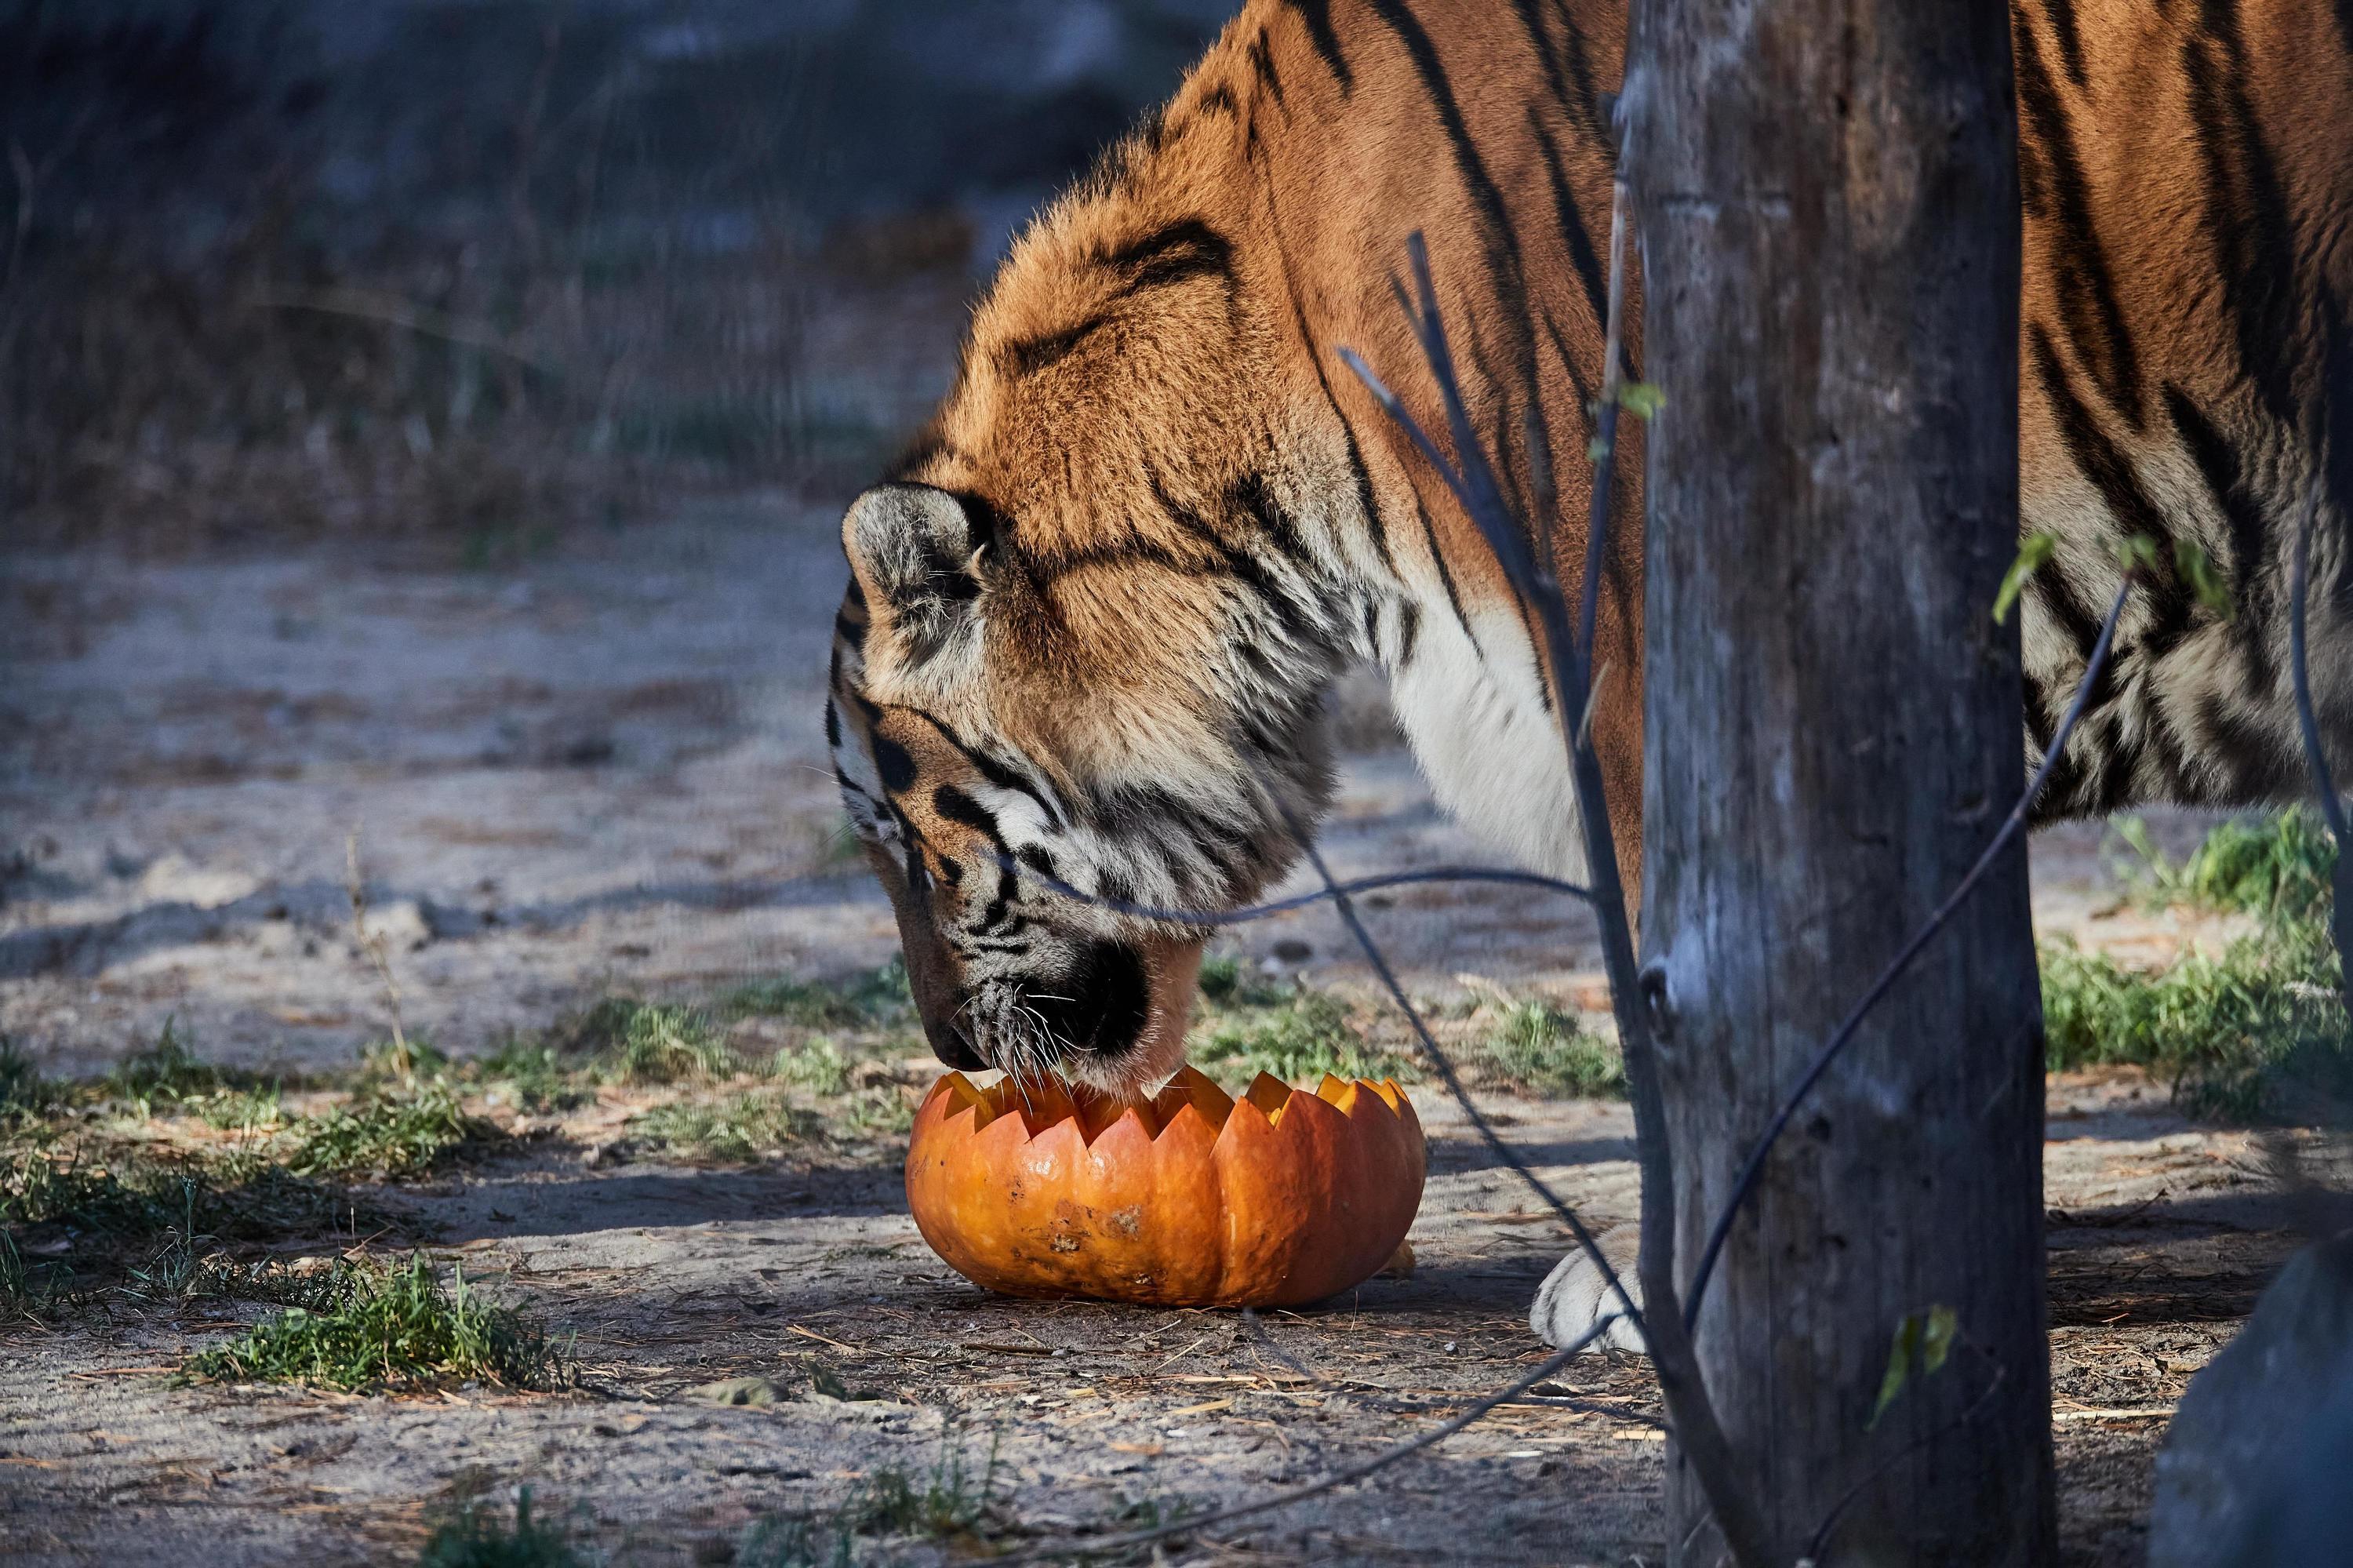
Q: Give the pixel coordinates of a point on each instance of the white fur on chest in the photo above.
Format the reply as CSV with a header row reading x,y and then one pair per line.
x,y
1493,755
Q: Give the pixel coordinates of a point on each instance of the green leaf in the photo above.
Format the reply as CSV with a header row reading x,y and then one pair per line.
x,y
2033,551
2197,569
1899,1368
1936,1338
1926,1338
1641,398
2138,553
1595,449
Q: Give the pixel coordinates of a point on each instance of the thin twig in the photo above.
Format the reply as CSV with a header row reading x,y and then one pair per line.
x,y
1387,1400
1494,1141
2340,918
391,310
1700,1435
1605,428
1337,1478
372,944
2012,825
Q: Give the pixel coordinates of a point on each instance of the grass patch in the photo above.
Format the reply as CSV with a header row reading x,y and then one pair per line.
x,y
816,1066
2238,1034
649,1043
125,1197
874,1000
1299,1039
2278,868
170,1073
796,1544
20,1294
950,1503
740,1128
2243,1033
387,1131
1544,1051
24,1092
396,1327
532,1075
1226,981
476,1537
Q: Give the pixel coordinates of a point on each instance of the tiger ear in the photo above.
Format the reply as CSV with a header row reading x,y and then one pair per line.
x,y
919,552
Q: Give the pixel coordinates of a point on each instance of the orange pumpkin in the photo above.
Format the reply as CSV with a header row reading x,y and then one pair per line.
x,y
1190,1198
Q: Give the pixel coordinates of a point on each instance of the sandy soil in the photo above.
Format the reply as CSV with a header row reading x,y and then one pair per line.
x,y
603,769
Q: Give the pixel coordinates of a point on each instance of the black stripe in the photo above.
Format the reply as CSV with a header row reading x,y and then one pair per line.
x,y
2071,42
1262,58
1507,277
2172,763
2345,24
894,763
1220,100
1028,355
1578,104
2116,751
2252,765
832,724
1571,223
1584,91
2246,211
1251,496
2169,602
1446,575
2218,465
1317,16
1186,248
1408,631
2088,309
1374,522
1576,380
1299,624
2039,725
2055,595
958,807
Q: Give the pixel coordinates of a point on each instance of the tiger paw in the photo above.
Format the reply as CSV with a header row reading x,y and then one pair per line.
x,y
1576,1294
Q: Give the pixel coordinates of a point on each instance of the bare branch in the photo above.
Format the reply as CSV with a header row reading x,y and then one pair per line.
x,y
1698,1430
2341,918
372,944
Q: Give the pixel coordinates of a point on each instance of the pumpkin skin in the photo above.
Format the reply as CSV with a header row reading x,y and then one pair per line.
x,y
1190,1198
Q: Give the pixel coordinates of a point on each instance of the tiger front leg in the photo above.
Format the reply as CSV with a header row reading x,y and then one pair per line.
x,y
1576,1294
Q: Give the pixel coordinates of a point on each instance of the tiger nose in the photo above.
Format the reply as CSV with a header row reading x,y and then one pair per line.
x,y
953,1046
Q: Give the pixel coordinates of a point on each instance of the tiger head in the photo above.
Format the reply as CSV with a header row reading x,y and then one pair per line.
x,y
1067,654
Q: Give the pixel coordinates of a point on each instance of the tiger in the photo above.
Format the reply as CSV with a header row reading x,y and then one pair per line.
x,y
1094,612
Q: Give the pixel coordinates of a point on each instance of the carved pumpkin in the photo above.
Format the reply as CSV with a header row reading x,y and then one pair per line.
x,y
1189,1198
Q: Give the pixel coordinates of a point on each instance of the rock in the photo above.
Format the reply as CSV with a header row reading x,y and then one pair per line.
x,y
2253,1471
738,1391
173,879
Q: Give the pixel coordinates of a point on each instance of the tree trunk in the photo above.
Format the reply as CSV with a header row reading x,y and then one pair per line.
x,y
1830,215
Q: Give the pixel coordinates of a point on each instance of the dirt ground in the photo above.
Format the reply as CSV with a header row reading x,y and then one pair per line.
x,y
602,768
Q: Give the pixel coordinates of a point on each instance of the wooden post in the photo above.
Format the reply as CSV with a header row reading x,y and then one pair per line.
x,y
1829,210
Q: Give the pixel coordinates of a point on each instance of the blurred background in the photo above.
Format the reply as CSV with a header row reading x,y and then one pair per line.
x,y
423,430
467,271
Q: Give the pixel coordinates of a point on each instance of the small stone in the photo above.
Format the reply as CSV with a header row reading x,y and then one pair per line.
x,y
738,1391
